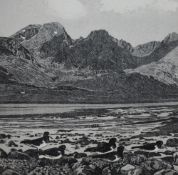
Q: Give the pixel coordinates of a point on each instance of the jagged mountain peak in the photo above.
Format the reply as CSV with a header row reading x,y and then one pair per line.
x,y
46,33
31,30
99,32
99,35
54,28
171,37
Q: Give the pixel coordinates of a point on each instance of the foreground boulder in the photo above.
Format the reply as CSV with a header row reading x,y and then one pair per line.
x,y
10,172
135,159
137,171
79,169
18,155
166,172
153,165
4,136
61,161
34,153
12,143
126,169
3,154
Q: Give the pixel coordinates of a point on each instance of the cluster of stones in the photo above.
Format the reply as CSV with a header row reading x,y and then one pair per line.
x,y
19,163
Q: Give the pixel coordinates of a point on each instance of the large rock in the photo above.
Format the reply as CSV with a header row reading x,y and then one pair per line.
x,y
3,154
110,170
18,155
126,169
2,141
137,171
12,143
101,164
153,165
166,172
79,155
3,136
10,172
172,142
135,159
97,166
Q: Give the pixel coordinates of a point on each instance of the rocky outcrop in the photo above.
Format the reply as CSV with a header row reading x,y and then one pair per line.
x,y
146,49
47,40
99,51
11,143
125,45
26,33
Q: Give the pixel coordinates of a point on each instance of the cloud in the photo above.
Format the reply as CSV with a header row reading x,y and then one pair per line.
x,y
67,9
124,6
136,21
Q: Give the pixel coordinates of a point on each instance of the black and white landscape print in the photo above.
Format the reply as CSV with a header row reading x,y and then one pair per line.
x,y
88,87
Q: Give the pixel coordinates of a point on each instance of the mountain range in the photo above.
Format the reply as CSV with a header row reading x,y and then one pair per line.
x,y
42,63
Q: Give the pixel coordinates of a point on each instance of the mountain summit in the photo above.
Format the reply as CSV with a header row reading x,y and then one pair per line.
x,y
35,37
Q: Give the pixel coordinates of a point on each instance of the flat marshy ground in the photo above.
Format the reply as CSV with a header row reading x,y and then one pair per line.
x,y
80,127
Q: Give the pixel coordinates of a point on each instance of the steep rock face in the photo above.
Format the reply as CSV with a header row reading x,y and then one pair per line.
x,y
56,48
99,51
145,49
11,46
26,33
165,70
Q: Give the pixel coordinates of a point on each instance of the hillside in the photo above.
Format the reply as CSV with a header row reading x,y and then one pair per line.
x,y
165,70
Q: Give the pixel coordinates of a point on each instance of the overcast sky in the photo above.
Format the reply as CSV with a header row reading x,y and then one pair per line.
x,y
136,21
